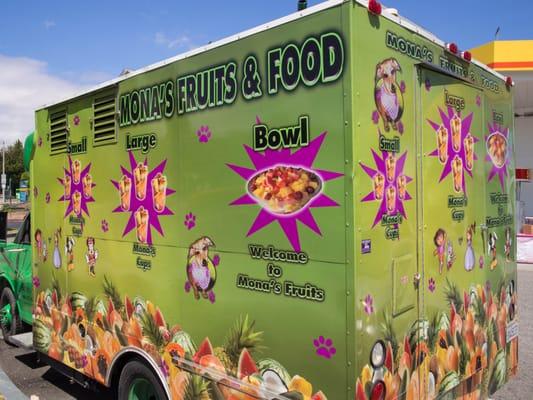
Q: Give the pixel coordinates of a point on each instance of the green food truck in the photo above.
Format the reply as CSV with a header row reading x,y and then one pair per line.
x,y
320,207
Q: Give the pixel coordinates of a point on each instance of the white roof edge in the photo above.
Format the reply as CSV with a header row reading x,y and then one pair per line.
x,y
404,22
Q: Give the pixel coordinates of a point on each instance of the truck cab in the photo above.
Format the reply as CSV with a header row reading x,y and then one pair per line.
x,y
15,279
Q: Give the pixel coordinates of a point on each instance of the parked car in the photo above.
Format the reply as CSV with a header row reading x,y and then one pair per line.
x,y
15,280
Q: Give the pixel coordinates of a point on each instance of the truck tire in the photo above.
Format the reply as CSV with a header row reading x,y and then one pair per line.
x,y
138,382
10,323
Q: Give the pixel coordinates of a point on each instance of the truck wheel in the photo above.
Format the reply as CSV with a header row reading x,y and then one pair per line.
x,y
138,382
9,319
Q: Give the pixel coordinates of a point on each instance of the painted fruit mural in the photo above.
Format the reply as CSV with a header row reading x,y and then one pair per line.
x,y
87,333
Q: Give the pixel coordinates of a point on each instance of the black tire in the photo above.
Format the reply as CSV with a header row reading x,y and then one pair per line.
x,y
133,371
7,297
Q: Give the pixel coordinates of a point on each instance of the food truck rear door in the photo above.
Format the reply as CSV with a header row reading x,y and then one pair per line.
x,y
451,187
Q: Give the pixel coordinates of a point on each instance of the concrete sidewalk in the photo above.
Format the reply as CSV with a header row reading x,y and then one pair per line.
x,y
8,390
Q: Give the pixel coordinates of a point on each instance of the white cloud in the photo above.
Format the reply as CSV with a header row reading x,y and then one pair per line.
x,y
25,84
182,41
49,24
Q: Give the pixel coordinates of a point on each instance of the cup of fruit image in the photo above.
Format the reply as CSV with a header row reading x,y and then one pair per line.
x,y
87,186
124,186
455,123
141,224
76,171
391,198
379,185
390,165
469,151
497,149
442,144
401,183
67,183
457,168
140,174
76,202
159,192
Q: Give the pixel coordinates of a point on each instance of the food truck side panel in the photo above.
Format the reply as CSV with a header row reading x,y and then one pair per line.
x,y
172,247
446,341
500,204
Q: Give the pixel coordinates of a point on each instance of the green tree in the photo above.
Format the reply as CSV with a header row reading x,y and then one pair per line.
x,y
14,163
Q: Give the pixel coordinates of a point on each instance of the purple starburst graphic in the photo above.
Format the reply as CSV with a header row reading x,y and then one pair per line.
x,y
147,204
498,136
301,158
77,184
104,225
455,153
390,187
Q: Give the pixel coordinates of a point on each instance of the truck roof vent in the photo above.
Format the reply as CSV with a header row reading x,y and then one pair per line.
x,y
105,119
58,132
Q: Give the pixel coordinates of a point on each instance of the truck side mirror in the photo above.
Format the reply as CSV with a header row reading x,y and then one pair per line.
x,y
3,226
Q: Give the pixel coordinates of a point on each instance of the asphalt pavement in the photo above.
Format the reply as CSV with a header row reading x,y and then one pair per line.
x,y
521,387
34,378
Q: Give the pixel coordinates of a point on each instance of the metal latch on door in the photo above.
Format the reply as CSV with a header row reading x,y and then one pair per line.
x,y
416,280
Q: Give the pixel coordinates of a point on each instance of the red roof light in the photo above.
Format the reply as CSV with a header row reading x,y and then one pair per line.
x,y
374,7
452,48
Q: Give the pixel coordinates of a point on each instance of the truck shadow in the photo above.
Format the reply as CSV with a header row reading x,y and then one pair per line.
x,y
63,383
74,389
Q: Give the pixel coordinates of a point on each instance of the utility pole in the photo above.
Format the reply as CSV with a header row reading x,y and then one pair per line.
x,y
3,180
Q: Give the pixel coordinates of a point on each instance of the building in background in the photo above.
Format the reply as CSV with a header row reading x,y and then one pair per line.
x,y
515,58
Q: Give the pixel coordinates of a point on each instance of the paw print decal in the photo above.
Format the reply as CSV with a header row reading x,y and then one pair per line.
x,y
190,221
204,134
324,347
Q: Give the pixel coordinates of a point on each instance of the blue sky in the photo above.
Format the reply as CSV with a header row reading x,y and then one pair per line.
x,y
76,44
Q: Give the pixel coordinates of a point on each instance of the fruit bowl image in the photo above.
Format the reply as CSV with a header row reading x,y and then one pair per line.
x,y
497,149
284,189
